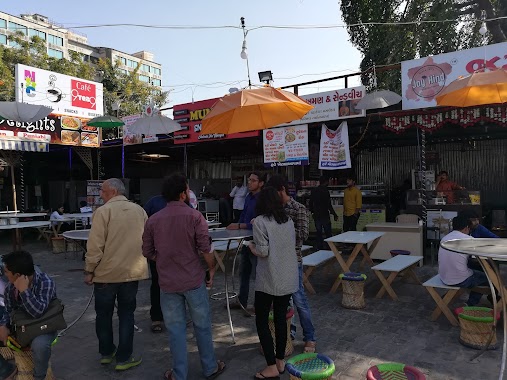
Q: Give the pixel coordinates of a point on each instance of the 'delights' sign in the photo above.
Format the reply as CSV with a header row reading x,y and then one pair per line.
x,y
65,95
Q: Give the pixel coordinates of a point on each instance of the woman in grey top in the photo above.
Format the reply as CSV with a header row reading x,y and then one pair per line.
x,y
276,279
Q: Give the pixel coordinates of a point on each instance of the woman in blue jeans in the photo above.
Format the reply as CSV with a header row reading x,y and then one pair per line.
x,y
274,242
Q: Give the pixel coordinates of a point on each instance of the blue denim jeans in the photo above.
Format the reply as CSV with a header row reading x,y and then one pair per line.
x,y
105,297
41,352
305,315
322,224
476,279
248,262
173,309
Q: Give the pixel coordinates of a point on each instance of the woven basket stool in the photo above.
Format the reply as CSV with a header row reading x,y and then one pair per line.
x,y
289,347
310,366
353,290
396,252
58,244
476,327
24,362
393,371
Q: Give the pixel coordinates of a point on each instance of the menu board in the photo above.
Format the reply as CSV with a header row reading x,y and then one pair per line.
x,y
286,146
334,148
93,194
65,130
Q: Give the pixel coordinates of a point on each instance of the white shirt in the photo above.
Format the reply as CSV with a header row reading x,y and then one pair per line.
x,y
452,266
55,216
239,194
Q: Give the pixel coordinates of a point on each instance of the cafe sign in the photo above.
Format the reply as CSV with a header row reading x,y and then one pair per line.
x,y
424,78
65,95
286,146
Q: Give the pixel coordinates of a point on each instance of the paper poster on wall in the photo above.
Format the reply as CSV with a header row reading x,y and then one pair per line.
x,y
286,146
334,148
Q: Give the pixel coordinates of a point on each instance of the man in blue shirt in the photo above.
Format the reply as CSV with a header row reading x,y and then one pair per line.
x,y
477,230
256,181
151,207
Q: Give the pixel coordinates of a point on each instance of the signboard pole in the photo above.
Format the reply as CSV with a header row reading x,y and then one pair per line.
x,y
122,161
185,160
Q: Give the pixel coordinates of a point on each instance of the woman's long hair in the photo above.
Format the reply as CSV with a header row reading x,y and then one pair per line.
x,y
269,203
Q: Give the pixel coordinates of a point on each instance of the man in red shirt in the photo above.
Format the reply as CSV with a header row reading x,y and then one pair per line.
x,y
447,187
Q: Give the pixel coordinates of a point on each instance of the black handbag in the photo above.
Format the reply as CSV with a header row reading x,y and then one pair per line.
x,y
25,328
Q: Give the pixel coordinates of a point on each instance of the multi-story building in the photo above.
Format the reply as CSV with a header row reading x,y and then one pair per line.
x,y
61,40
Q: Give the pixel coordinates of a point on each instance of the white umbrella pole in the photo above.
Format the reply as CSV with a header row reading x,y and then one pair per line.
x,y
13,179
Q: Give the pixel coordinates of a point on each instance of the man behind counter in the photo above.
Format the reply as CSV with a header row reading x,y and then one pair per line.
x,y
446,186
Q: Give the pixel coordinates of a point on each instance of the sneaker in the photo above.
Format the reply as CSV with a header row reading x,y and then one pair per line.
x,y
130,363
108,359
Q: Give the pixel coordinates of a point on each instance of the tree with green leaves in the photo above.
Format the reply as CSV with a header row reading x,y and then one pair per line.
x,y
387,32
123,88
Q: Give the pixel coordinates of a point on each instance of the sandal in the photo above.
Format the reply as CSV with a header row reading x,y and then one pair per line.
x,y
168,375
218,372
156,327
261,376
310,347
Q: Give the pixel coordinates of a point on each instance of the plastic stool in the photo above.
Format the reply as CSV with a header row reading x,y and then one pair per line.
x,y
394,371
310,366
396,252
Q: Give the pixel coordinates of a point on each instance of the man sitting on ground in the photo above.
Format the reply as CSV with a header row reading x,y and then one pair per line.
x,y
31,291
453,267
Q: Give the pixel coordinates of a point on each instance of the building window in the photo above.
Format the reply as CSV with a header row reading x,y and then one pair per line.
x,y
123,61
3,39
3,23
145,68
144,78
132,64
156,82
17,28
55,53
123,71
55,40
34,32
156,71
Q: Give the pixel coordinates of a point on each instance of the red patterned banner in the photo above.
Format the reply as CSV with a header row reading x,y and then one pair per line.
x,y
434,119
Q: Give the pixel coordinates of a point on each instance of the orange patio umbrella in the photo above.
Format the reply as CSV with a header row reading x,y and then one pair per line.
x,y
253,110
482,87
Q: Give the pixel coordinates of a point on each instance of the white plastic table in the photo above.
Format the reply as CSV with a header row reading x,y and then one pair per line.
x,y
360,239
487,252
81,235
229,236
16,238
398,264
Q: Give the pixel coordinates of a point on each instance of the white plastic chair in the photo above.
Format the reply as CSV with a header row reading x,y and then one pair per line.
x,y
408,218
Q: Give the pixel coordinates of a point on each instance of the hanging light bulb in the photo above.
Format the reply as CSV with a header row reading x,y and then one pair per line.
x,y
244,54
484,29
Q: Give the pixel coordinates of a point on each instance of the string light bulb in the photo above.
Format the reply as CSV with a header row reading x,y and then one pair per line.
x,y
484,29
244,54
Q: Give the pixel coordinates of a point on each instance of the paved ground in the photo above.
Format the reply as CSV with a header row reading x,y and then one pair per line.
x,y
384,331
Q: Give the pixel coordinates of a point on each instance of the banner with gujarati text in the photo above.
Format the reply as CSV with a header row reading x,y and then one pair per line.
x,y
334,148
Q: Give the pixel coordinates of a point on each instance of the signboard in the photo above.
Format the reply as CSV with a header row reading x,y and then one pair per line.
x,y
424,78
334,148
66,95
333,105
55,130
190,117
286,146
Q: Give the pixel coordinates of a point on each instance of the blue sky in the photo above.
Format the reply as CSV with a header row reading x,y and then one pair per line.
x,y
193,58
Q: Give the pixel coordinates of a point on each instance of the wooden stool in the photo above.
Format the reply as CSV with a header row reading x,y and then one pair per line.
x,y
289,347
394,371
476,327
24,362
353,290
310,366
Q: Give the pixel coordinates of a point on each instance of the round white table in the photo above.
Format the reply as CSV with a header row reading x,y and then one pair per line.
x,y
81,235
229,236
487,252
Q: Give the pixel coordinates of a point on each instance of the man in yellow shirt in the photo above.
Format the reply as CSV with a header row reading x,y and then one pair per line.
x,y
352,203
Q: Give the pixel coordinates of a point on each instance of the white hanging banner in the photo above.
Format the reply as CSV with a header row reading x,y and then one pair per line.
x,y
334,148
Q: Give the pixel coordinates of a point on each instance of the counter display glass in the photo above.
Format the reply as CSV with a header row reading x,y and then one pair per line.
x,y
440,198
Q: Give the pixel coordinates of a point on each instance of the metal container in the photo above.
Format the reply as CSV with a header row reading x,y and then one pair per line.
x,y
13,220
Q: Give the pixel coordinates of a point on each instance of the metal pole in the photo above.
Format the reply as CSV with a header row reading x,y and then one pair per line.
x,y
185,160
122,160
423,176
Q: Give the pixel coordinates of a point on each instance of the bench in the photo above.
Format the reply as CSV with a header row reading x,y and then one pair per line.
x,y
312,261
401,264
305,248
451,292
221,250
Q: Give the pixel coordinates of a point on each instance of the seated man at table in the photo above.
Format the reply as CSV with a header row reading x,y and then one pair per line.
x,y
453,267
57,218
477,230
